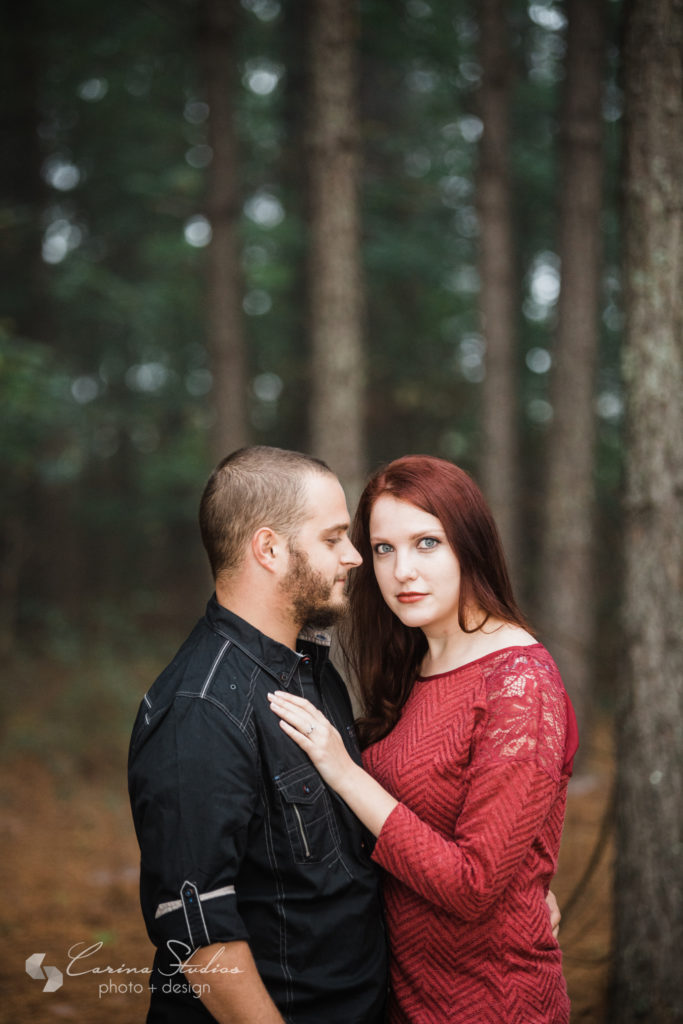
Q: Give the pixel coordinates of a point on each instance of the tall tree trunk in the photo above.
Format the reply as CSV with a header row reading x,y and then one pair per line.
x,y
498,299
27,525
337,401
649,880
294,111
567,611
225,325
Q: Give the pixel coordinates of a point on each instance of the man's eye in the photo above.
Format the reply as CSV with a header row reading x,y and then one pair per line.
x,y
382,549
333,540
428,543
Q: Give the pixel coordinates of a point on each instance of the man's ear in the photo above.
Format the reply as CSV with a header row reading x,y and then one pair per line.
x,y
267,548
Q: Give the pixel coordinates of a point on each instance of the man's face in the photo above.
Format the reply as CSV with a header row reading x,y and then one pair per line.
x,y
321,556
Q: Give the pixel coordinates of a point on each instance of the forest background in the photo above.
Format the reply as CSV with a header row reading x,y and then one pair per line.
x,y
360,230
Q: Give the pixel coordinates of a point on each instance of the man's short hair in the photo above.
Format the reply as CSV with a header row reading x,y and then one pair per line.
x,y
251,488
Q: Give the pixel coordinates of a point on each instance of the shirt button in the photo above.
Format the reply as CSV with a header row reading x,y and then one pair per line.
x,y
283,677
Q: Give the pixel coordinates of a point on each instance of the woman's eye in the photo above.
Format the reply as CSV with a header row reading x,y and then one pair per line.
x,y
427,543
382,549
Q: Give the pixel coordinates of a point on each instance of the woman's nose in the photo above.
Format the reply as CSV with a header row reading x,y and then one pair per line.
x,y
403,568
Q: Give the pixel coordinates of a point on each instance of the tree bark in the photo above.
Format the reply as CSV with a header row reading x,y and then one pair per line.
x,y
567,610
649,880
225,325
335,299
498,299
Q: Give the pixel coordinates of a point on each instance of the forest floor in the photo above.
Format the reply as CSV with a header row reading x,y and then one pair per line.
x,y
70,867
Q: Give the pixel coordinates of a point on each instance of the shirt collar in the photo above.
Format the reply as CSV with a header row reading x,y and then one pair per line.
x,y
276,658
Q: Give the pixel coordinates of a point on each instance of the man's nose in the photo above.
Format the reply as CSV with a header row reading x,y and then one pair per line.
x,y
350,554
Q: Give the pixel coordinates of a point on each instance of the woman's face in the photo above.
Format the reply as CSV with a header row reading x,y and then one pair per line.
x,y
416,569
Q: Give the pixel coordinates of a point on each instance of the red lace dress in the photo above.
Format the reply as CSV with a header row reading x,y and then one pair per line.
x,y
479,760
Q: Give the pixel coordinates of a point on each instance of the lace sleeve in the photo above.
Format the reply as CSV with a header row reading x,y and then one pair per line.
x,y
527,713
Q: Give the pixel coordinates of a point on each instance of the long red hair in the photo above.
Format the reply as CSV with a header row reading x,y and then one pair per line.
x,y
382,653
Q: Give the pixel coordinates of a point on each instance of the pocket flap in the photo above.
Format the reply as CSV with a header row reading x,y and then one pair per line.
x,y
300,785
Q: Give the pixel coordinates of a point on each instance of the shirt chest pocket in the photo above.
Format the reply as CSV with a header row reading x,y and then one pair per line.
x,y
309,819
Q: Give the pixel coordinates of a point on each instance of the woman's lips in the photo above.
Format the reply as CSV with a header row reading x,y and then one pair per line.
x,y
410,597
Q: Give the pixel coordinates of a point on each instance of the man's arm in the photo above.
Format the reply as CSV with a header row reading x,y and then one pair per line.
x,y
194,790
231,988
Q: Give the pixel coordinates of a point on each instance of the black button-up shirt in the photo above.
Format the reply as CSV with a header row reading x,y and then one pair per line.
x,y
241,839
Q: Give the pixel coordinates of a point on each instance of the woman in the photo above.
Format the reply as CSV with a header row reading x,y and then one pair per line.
x,y
468,740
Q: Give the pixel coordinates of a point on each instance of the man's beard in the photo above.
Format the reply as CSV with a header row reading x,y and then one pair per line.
x,y
310,594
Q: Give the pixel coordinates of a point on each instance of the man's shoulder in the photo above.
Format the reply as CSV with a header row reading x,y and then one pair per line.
x,y
199,670
210,664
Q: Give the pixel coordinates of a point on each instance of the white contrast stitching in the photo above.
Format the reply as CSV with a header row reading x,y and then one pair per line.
x,y
166,908
214,667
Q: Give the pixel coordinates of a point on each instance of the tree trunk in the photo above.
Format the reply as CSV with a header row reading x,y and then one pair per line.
x,y
498,299
26,513
337,400
14,544
567,611
649,877
225,325
292,31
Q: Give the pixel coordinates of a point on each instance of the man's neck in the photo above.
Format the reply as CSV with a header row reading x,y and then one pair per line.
x,y
272,622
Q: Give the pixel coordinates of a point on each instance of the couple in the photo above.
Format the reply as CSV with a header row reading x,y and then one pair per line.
x,y
261,824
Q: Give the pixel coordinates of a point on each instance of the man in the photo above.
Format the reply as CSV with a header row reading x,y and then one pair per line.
x,y
256,883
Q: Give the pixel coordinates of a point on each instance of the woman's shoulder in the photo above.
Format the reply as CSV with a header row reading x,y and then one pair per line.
x,y
503,645
527,706
523,666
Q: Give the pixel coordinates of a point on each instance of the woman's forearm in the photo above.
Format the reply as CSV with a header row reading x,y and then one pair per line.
x,y
366,798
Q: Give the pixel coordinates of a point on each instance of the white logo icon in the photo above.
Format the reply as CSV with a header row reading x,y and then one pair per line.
x,y
34,969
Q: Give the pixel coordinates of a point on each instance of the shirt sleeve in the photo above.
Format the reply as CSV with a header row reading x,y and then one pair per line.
x,y
513,781
196,797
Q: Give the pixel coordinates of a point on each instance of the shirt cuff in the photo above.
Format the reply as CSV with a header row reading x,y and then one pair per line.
x,y
196,919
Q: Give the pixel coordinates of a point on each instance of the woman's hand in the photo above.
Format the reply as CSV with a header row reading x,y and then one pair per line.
x,y
309,728
320,740
555,915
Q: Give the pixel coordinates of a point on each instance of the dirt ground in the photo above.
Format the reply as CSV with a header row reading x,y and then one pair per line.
x,y
70,867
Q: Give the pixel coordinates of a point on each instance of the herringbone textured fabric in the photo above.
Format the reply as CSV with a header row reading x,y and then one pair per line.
x,y
480,761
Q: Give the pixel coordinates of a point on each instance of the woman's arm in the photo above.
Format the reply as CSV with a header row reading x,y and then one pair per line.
x,y
508,801
513,797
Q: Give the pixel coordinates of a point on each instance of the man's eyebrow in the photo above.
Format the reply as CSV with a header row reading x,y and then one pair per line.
x,y
337,528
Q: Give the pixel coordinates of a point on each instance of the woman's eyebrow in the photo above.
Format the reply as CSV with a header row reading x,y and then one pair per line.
x,y
413,536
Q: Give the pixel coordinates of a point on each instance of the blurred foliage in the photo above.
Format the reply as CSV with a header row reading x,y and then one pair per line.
x,y
104,375
75,714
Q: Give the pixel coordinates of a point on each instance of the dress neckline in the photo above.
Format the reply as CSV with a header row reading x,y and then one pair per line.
x,y
476,661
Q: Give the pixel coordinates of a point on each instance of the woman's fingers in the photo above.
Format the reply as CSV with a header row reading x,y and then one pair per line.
x,y
314,734
297,708
299,737
301,715
292,698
